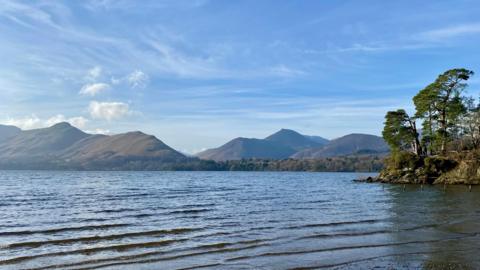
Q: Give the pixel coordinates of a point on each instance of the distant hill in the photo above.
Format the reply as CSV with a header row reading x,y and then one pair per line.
x,y
318,139
41,142
346,145
241,148
280,145
295,140
132,146
64,146
7,132
288,143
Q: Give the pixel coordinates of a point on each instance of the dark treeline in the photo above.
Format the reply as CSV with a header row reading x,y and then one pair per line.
x,y
443,133
358,163
366,163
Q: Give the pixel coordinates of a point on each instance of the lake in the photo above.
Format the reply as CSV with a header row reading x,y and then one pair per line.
x,y
232,220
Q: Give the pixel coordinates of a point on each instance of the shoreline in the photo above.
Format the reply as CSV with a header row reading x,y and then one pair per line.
x,y
407,182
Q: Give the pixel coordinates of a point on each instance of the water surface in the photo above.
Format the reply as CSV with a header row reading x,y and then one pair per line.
x,y
231,220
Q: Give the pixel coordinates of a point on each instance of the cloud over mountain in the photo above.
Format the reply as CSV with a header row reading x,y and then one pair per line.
x,y
108,110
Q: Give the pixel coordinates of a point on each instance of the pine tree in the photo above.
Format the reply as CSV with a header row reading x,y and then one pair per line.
x,y
400,132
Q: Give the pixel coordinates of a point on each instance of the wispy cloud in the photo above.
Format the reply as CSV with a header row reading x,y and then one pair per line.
x,y
170,60
130,5
25,15
372,47
213,69
441,34
92,89
94,73
286,72
137,79
414,41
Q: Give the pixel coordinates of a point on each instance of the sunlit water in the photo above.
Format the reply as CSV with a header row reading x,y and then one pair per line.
x,y
231,220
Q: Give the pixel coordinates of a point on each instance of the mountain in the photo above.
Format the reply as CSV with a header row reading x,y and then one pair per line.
x,y
7,132
280,145
64,146
317,139
132,146
346,145
41,142
295,140
244,148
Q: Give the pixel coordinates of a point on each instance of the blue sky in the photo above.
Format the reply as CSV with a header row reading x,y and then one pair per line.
x,y
199,73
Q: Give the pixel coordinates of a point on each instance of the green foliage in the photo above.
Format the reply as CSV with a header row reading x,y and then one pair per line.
x,y
425,110
450,122
441,108
470,123
400,132
356,163
403,160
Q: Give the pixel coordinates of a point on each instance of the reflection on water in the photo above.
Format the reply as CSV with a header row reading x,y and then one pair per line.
x,y
231,220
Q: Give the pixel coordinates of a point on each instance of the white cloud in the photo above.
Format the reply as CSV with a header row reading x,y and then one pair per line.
x,y
33,121
28,122
108,110
137,79
94,73
94,88
78,121
99,131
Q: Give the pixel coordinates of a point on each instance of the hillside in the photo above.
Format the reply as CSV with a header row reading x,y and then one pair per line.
x,y
128,147
280,145
40,142
7,132
317,139
346,145
287,143
64,146
295,140
244,148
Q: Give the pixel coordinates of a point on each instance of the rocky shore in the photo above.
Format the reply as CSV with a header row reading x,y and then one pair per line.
x,y
462,170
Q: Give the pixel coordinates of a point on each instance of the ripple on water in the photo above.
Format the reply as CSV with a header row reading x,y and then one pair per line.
x,y
229,220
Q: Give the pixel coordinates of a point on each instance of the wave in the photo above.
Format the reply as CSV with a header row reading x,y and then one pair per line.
x,y
65,229
300,252
340,223
190,211
214,248
34,244
89,251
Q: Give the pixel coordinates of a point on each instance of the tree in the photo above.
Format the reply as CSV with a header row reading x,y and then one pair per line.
x,y
445,98
425,109
400,132
471,124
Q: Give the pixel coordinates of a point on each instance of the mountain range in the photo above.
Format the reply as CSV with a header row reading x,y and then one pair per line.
x,y
63,146
287,143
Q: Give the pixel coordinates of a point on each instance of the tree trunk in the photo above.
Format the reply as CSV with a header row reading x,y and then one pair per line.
x,y
416,147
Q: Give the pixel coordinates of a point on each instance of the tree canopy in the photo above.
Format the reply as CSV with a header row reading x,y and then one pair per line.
x,y
446,116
